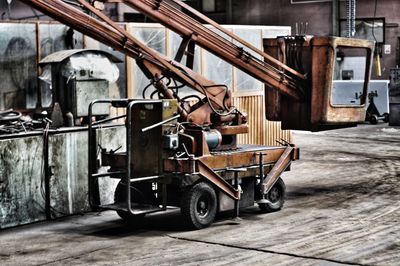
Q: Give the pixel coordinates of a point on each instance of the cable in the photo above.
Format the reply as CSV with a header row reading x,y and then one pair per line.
x,y
226,92
191,96
152,82
208,99
145,89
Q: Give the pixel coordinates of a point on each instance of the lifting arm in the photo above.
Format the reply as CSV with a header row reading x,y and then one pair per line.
x,y
305,96
172,14
153,64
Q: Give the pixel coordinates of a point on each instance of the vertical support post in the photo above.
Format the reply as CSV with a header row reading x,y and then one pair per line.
x,y
237,188
236,200
261,167
47,173
335,17
165,195
229,12
93,185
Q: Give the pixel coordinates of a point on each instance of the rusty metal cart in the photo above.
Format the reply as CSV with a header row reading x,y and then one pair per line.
x,y
161,167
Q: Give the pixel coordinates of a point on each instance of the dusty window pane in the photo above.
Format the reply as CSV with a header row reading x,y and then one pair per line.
x,y
243,81
175,41
18,71
118,91
54,38
121,93
217,69
208,5
349,76
57,37
154,38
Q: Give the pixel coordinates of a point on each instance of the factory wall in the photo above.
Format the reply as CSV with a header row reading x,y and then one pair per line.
x,y
282,13
389,9
319,18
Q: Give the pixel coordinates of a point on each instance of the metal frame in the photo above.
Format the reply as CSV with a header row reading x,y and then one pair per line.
x,y
244,162
94,197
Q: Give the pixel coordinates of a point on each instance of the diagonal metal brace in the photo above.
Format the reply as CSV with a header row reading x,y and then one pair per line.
x,y
280,166
217,180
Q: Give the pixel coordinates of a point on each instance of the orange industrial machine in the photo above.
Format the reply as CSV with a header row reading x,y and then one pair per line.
x,y
183,151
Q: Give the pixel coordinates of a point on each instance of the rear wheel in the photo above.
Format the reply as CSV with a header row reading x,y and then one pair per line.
x,y
276,197
199,206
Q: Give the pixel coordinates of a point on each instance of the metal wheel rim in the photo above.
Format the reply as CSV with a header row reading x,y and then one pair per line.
x,y
203,206
274,195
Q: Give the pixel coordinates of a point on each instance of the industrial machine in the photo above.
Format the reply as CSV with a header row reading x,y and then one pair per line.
x,y
74,78
183,151
373,114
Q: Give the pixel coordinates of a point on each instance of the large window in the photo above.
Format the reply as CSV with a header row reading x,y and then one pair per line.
x,y
349,76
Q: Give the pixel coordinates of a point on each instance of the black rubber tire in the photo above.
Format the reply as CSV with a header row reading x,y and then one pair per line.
x,y
386,117
199,206
276,196
373,119
139,192
9,116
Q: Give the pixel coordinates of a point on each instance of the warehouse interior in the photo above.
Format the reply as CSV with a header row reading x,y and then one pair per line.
x,y
200,132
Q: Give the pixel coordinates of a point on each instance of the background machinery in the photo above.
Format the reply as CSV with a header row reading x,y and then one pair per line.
x,y
183,151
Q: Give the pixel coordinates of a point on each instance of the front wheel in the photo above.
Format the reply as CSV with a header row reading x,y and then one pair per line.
x,y
199,206
373,119
385,117
276,197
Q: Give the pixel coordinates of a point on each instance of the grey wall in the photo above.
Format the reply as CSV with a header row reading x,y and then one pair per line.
x,y
319,17
389,9
283,13
22,196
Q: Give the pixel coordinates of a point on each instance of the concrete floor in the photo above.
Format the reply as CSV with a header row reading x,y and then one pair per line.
x,y
343,208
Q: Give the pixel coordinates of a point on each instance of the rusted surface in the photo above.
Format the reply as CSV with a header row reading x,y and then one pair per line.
x,y
205,171
318,59
279,167
234,130
246,155
170,16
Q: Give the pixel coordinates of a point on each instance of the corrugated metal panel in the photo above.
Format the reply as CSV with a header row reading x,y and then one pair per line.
x,y
274,133
252,106
261,131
